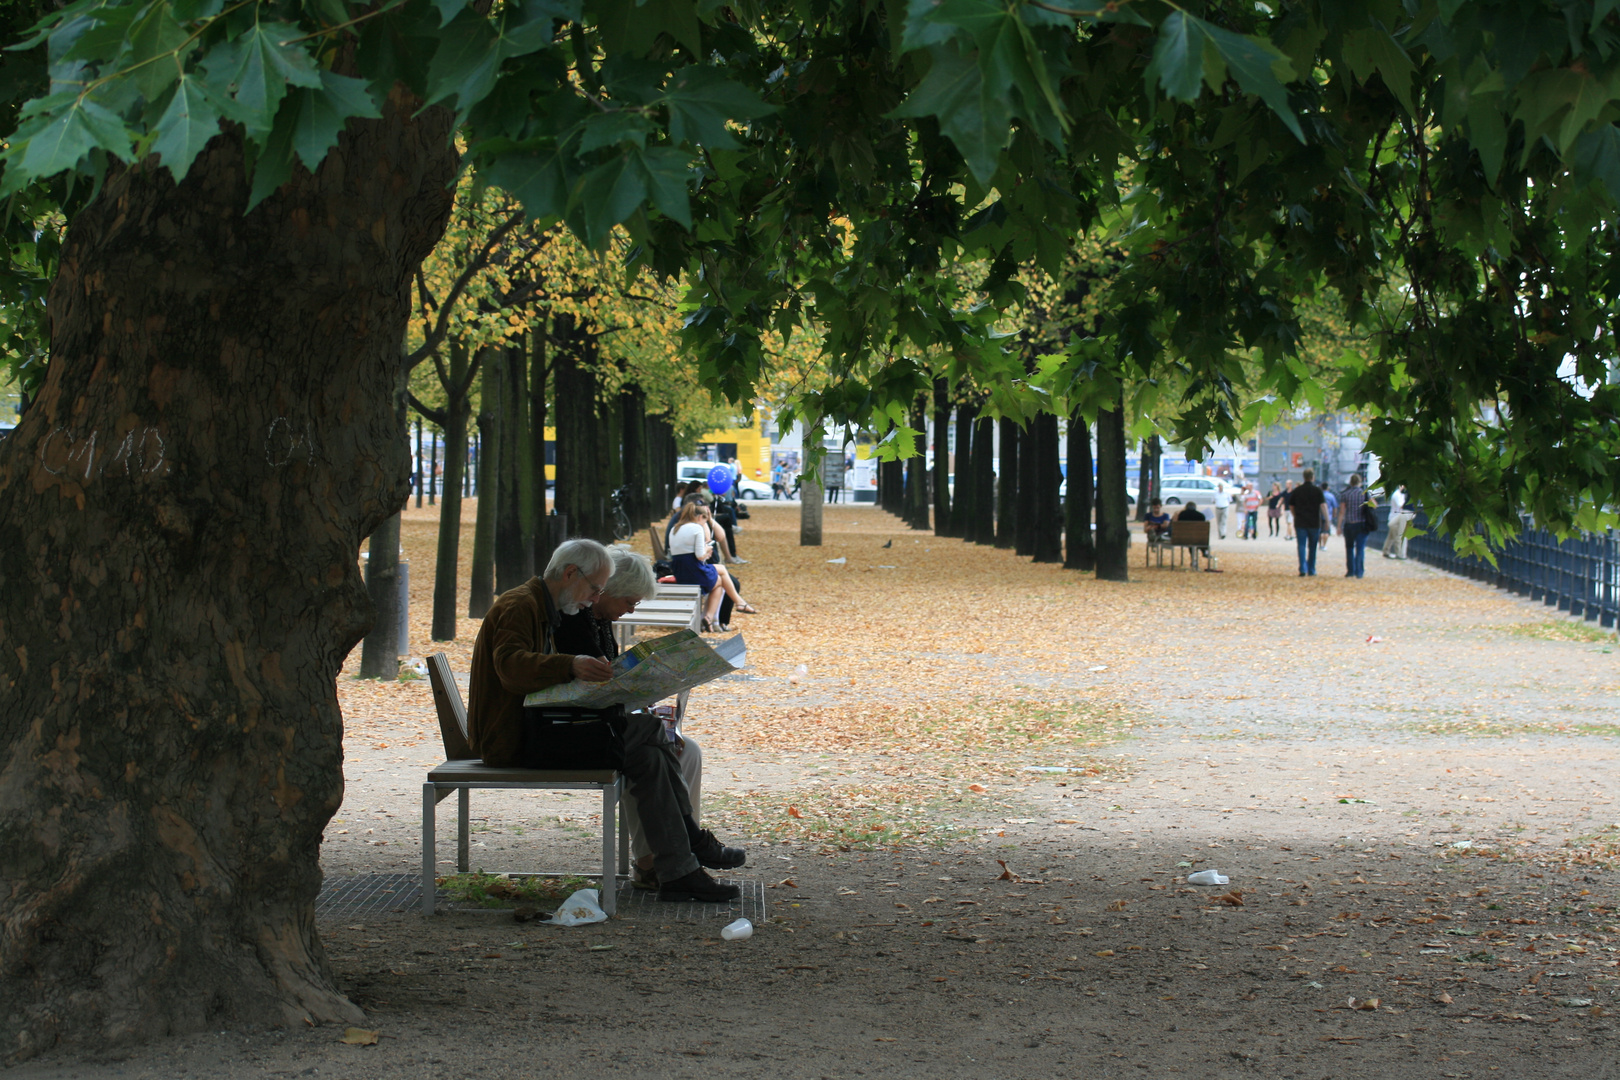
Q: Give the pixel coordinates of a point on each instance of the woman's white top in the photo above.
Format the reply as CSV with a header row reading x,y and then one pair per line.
x,y
676,505
690,539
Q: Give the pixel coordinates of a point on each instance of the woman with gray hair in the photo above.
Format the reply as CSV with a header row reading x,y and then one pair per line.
x,y
590,633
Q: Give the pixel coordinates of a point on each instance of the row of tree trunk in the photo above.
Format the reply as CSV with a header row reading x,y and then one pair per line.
x,y
603,442
1015,503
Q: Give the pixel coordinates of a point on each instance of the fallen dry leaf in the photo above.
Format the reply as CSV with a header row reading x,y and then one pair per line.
x,y
1363,1004
359,1037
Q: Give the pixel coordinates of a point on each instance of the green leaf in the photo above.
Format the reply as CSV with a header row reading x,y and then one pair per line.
x,y
324,112
81,127
449,9
668,174
185,127
466,62
701,100
611,193
1178,57
921,29
953,91
273,165
153,36
606,129
1597,157
527,27
538,181
631,28
195,10
1544,97
256,70
1373,49
102,41
1487,132
1259,68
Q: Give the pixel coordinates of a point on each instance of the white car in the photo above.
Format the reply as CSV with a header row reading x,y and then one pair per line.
x,y
1175,490
688,471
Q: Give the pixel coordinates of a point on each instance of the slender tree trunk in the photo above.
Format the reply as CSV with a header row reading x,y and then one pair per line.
x,y
942,459
446,570
1147,476
1113,521
1081,546
514,506
633,436
416,464
1024,513
434,435
1048,508
1007,487
181,511
984,482
962,504
811,497
481,591
661,467
917,494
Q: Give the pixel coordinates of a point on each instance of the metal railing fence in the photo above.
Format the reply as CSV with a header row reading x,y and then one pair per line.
x,y
1579,575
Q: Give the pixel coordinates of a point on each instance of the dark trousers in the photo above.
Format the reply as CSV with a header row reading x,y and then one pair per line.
x,y
1307,540
654,776
1355,550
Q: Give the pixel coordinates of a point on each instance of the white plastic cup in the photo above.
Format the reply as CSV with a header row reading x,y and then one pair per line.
x,y
741,930
1207,877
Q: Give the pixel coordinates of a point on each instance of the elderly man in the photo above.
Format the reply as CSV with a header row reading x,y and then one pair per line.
x,y
516,654
591,633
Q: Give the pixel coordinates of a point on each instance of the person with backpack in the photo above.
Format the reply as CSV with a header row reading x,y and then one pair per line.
x,y
1355,523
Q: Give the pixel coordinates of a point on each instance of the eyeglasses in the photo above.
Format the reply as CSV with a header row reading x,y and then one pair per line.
x,y
596,590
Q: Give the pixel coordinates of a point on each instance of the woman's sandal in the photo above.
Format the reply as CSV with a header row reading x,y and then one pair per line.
x,y
746,609
708,626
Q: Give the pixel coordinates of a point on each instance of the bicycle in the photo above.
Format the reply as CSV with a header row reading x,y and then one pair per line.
x,y
621,517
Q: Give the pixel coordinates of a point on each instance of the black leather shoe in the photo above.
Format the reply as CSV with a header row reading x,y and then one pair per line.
x,y
713,854
700,887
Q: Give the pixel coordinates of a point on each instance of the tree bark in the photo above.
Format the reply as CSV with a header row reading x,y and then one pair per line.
x,y
661,467
1147,476
962,505
942,459
1048,508
1080,545
983,525
539,368
381,649
1113,521
1007,487
633,436
514,507
579,473
481,589
434,435
1024,513
447,567
180,518
810,507
917,494
416,464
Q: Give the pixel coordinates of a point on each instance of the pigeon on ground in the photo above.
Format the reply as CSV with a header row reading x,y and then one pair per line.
x,y
889,544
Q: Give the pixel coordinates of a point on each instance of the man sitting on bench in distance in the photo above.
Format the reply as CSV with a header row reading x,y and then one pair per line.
x,y
515,654
590,633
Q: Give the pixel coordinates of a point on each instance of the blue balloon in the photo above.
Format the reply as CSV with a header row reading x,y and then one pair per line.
x,y
719,479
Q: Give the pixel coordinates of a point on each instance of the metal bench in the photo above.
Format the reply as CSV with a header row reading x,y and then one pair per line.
x,y
462,771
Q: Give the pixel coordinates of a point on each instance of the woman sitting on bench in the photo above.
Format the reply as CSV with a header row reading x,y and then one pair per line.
x,y
689,551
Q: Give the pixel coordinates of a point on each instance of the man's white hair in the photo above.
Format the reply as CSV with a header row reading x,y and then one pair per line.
x,y
632,576
591,558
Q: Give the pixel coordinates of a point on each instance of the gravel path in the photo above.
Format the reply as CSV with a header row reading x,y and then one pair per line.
x,y
1418,823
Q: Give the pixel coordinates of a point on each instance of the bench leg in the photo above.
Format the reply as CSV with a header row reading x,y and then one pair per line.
x,y
608,888
429,803
463,827
624,835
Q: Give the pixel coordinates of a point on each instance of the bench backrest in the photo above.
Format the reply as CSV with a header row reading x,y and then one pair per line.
x,y
657,543
452,713
1192,533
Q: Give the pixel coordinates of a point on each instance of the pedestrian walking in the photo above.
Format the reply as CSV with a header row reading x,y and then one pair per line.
x,y
1274,510
1288,510
1223,505
1351,516
1308,505
1251,512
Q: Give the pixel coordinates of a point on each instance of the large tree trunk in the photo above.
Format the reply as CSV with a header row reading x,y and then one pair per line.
x,y
481,587
661,465
541,546
1113,522
963,506
447,565
1080,545
180,519
1048,509
1007,486
983,526
633,435
917,495
579,473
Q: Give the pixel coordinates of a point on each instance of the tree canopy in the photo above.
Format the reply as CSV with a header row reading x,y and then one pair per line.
x,y
1448,170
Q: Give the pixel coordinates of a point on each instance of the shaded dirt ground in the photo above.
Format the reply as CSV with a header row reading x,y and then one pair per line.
x,y
1409,779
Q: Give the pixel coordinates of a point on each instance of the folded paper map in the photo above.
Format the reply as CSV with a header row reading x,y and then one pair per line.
x,y
650,672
